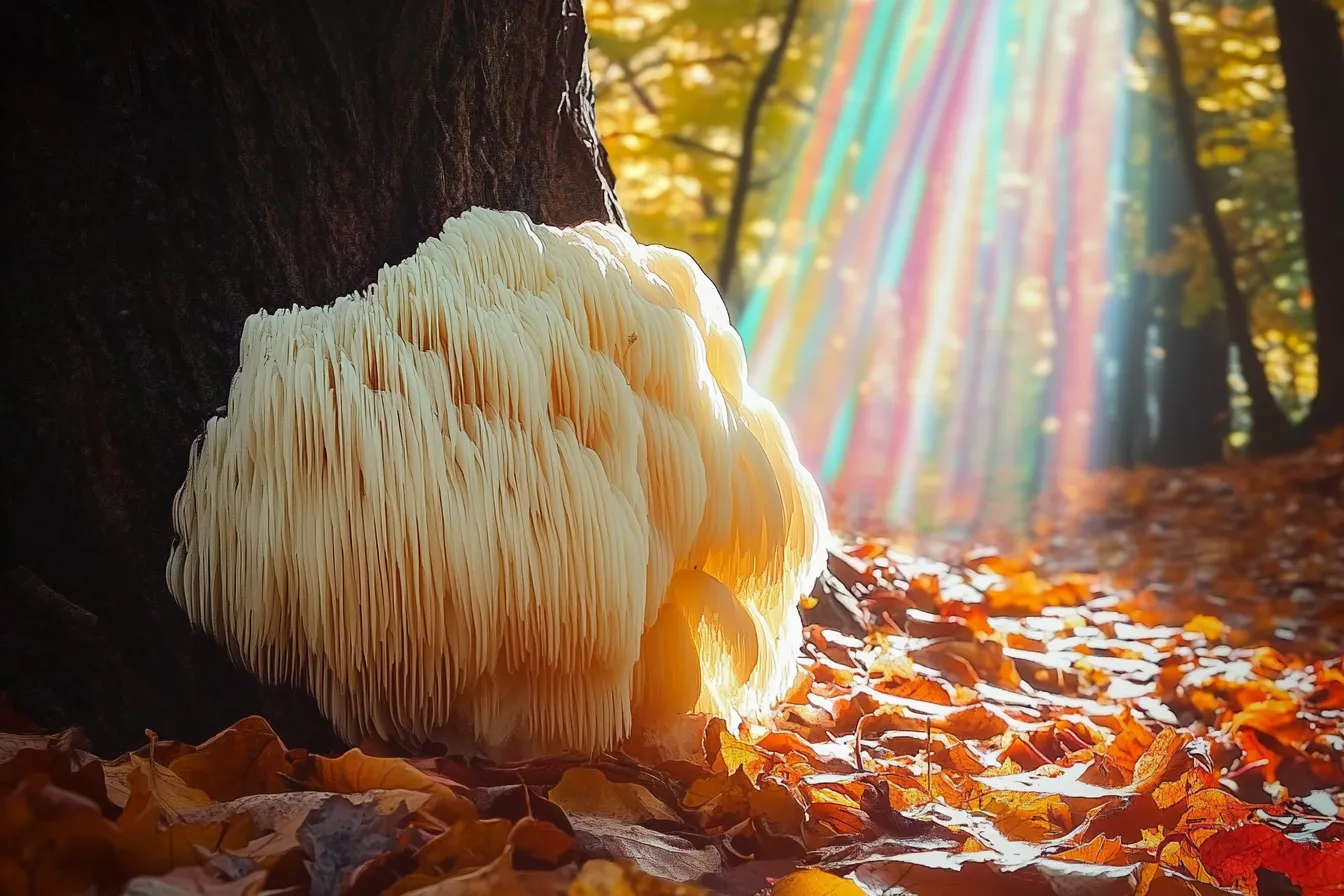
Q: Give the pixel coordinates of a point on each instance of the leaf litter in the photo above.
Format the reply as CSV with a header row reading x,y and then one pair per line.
x,y
1168,721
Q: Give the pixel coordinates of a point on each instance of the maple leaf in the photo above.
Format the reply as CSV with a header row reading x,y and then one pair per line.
x,y
1234,857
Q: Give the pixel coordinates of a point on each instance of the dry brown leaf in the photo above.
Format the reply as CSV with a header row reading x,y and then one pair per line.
x,y
195,881
587,791
54,841
496,879
355,772
247,758
664,855
604,878
156,836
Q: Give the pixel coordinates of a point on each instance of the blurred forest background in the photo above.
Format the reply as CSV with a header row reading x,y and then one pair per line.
x,y
979,248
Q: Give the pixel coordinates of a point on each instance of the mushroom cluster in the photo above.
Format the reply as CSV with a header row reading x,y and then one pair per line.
x,y
516,496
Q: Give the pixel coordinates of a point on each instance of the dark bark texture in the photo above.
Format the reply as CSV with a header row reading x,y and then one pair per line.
x,y
1193,396
1312,54
1192,391
170,168
1271,431
1128,443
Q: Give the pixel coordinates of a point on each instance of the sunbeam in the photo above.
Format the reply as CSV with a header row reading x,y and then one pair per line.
x,y
929,316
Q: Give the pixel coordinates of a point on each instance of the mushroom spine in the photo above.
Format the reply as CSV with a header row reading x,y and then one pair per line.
x,y
518,492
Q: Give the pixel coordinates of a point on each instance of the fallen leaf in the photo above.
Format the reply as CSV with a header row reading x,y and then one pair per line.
x,y
811,882
156,835
55,841
663,855
195,881
247,758
496,879
1235,856
339,836
355,772
587,791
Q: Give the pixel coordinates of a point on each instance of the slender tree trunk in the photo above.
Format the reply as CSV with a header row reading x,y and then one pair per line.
x,y
1193,398
1270,429
1192,390
1312,54
1129,442
1125,443
172,168
737,207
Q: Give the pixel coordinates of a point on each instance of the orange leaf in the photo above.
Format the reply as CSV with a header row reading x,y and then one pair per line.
x,y
812,882
156,837
246,758
355,772
1234,856
541,840
55,841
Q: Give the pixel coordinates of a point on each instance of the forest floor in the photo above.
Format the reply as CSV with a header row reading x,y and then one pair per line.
x,y
1150,702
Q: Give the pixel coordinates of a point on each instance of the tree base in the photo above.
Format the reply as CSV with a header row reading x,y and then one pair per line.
x,y
174,169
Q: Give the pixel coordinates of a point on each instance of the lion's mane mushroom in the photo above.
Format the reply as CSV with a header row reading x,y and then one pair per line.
x,y
517,494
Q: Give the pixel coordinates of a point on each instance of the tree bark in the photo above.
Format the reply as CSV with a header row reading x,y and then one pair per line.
x,y
1271,431
171,169
1312,54
1193,397
1124,439
1192,390
1128,442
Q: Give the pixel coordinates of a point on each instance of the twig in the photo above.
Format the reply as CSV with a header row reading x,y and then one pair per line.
x,y
858,742
928,755
696,145
629,75
682,63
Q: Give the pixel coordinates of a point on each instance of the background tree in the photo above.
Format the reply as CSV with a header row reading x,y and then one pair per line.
x,y
1311,53
171,170
1244,146
702,105
1192,390
1270,429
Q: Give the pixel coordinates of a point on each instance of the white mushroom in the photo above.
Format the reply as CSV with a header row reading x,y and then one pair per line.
x,y
517,493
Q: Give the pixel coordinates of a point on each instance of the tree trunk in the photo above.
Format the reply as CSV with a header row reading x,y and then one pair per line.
x,y
1312,54
171,169
737,207
1192,390
1193,398
1126,440
1129,440
1271,431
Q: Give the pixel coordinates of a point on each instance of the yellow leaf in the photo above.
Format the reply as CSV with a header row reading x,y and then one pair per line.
x,y
355,772
812,882
1211,628
587,791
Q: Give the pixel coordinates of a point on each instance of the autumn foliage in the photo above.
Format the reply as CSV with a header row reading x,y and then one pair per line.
x,y
984,723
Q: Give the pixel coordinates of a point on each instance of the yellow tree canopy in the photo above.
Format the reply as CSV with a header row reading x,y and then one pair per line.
x,y
1231,65
674,79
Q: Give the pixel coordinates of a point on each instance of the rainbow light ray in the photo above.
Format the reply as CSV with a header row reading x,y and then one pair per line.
x,y
928,319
